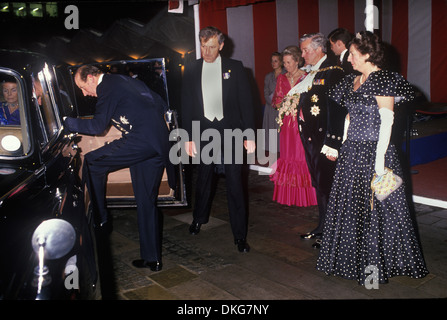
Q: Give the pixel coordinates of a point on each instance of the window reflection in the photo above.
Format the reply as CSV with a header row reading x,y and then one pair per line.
x,y
45,98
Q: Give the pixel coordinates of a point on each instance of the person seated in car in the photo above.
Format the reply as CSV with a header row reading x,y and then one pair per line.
x,y
9,109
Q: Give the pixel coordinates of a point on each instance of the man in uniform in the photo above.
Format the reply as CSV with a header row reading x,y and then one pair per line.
x,y
138,113
321,122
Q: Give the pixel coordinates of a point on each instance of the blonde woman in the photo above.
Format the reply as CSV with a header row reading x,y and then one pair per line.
x,y
291,177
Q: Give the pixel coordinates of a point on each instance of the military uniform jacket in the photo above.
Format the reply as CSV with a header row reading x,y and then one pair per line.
x,y
322,119
130,106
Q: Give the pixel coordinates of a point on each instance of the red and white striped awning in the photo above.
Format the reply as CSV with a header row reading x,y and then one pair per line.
x,y
417,29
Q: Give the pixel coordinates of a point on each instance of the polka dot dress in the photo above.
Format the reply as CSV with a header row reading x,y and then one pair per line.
x,y
356,238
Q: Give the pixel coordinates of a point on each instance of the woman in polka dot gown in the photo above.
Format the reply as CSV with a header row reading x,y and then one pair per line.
x,y
357,237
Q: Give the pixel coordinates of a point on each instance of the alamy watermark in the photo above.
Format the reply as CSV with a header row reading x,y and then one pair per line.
x,y
72,20
71,274
372,17
372,280
212,142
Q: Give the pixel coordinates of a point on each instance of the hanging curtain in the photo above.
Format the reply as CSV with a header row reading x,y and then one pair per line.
x,y
222,5
213,13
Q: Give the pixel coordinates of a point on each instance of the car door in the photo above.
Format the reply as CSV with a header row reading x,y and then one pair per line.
x,y
153,73
61,167
40,182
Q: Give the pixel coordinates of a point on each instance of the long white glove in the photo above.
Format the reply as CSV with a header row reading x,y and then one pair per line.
x,y
386,124
345,130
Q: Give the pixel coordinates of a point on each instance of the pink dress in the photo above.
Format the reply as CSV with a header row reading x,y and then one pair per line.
x,y
292,179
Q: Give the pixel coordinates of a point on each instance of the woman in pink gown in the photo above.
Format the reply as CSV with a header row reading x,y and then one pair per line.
x,y
291,176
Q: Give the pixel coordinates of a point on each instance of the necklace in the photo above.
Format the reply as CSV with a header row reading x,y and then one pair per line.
x,y
361,79
291,76
12,107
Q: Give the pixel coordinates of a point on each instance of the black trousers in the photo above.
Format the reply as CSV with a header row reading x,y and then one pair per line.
x,y
322,172
146,169
206,177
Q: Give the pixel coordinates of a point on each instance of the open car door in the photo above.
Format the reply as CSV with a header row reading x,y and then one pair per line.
x,y
119,184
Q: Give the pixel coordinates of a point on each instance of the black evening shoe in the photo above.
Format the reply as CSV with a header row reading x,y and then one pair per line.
x,y
311,235
194,228
242,245
153,265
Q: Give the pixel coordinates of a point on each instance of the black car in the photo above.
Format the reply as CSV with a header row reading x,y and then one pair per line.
x,y
47,245
47,238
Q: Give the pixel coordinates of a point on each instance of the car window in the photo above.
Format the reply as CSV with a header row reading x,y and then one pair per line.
x,y
66,103
14,136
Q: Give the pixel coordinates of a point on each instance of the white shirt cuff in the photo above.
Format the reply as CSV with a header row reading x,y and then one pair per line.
x,y
328,151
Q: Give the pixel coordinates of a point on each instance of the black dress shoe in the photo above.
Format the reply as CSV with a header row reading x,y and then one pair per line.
x,y
311,235
153,265
194,228
242,245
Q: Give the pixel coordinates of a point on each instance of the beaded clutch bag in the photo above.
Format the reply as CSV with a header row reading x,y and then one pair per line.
x,y
383,186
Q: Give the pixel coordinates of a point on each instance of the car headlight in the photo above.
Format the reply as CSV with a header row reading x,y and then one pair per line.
x,y
56,236
52,239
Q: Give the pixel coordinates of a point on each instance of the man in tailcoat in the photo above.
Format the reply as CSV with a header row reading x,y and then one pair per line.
x,y
138,112
321,122
216,95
